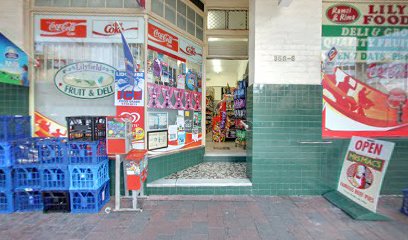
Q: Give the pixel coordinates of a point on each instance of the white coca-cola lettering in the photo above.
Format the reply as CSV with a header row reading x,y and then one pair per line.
x,y
164,37
68,27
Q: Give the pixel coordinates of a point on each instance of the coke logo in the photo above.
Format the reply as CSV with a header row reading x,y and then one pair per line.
x,y
191,50
68,27
113,28
388,71
164,37
343,14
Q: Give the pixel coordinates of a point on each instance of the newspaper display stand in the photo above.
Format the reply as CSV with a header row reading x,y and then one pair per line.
x,y
119,135
135,173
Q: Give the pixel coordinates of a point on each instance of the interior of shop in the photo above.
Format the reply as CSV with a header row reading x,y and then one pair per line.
x,y
225,118
225,127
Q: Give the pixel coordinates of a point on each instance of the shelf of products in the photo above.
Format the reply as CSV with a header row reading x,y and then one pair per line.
x,y
209,112
230,125
240,112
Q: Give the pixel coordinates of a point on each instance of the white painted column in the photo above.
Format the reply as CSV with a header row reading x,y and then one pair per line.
x,y
277,32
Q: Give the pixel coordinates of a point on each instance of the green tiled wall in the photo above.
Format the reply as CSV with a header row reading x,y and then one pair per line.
x,y
282,158
13,99
249,132
199,191
233,159
160,167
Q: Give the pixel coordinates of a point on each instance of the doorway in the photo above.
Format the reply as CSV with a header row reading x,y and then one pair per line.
x,y
225,117
225,121
224,165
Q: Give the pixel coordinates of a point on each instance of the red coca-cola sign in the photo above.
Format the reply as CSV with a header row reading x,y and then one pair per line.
x,y
72,28
343,14
163,38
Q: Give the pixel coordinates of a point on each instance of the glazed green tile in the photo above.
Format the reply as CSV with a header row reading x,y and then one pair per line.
x,y
281,116
14,99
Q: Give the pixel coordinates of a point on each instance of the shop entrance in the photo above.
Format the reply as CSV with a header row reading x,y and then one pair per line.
x,y
225,115
225,120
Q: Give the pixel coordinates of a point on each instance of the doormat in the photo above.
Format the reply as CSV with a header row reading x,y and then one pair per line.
x,y
222,148
354,210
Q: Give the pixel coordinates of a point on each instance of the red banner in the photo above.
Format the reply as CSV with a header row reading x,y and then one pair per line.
x,y
72,28
353,108
136,114
45,127
163,38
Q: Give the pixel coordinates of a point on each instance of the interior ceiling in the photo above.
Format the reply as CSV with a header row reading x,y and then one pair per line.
x,y
219,72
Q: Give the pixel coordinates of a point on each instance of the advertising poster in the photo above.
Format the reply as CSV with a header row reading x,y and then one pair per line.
x,y
136,114
45,127
87,80
13,63
103,29
365,69
125,93
364,169
197,120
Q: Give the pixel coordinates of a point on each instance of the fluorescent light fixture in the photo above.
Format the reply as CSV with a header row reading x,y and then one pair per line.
x,y
213,39
284,3
217,65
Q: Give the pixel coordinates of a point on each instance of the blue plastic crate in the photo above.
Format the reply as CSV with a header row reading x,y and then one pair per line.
x,y
27,176
27,151
7,153
54,177
14,127
89,201
56,201
28,200
87,152
6,180
404,208
53,151
6,202
23,127
88,176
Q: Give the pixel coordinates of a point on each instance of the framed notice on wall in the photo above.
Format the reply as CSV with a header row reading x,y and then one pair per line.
x,y
158,120
157,139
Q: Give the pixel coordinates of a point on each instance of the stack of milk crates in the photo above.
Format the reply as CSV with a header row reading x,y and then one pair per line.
x,y
15,193
88,164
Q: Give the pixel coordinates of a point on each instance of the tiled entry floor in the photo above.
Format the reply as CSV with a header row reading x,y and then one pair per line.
x,y
211,174
222,148
212,170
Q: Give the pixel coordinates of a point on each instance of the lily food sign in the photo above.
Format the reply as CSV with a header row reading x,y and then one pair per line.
x,y
377,30
89,80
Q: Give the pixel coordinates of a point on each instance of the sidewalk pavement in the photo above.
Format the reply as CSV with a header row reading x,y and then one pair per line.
x,y
212,217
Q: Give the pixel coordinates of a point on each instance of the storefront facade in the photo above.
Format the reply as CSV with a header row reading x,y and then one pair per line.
x,y
293,148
